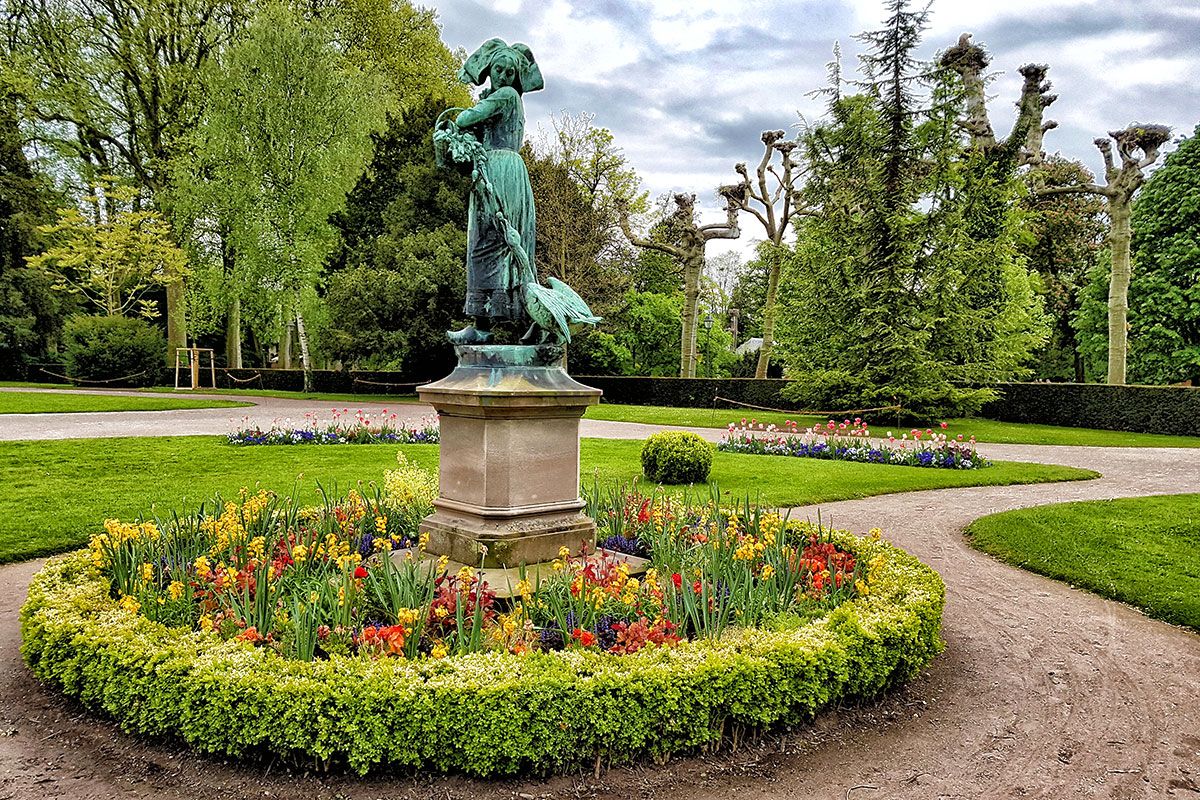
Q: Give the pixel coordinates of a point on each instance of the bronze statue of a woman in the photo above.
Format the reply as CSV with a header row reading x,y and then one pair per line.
x,y
501,228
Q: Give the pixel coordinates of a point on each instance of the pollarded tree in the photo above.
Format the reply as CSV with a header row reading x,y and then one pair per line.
x,y
685,241
287,135
773,198
1164,295
1137,148
1066,238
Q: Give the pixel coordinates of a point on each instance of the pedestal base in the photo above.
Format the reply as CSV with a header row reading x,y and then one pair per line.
x,y
509,468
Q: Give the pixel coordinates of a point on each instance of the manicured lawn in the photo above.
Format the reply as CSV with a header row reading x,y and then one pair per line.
x,y
1144,551
52,402
985,430
59,492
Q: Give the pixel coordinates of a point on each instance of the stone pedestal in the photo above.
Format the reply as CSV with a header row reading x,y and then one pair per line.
x,y
509,468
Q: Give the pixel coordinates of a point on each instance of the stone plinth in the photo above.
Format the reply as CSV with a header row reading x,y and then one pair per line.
x,y
509,470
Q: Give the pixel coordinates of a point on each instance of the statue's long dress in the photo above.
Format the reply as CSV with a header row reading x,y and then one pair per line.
x,y
492,273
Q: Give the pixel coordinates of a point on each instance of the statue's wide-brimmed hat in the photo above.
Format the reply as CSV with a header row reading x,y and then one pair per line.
x,y
479,65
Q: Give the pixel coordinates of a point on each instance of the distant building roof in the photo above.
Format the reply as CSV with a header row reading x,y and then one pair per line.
x,y
751,345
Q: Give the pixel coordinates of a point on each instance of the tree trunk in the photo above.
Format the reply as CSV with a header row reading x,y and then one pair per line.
x,y
285,346
305,356
233,335
692,269
1118,290
176,317
769,311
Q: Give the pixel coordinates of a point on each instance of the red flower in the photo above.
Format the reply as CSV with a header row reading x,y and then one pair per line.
x,y
360,572
586,638
677,579
945,425
697,588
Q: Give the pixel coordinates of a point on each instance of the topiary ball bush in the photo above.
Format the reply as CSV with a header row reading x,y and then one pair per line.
x,y
674,457
107,348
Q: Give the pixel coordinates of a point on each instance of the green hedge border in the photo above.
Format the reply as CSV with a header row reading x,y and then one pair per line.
x,y
482,714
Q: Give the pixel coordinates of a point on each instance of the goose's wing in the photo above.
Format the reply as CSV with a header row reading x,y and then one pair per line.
x,y
553,305
574,306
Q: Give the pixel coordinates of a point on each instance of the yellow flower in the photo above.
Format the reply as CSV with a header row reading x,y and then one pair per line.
x,y
381,526
767,572
466,575
862,587
206,623
202,568
423,541
299,553
564,552
130,604
147,572
176,590
439,650
523,588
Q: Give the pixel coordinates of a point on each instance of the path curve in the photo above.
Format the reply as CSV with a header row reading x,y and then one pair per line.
x,y
1043,691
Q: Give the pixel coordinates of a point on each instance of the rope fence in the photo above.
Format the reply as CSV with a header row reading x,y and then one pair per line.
x,y
85,380
806,413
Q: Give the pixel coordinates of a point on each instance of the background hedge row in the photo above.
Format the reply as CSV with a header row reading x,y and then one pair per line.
x,y
1142,409
485,713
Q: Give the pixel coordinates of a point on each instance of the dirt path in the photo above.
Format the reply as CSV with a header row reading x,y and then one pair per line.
x,y
1043,691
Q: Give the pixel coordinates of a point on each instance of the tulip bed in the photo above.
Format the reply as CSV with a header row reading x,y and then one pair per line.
x,y
265,628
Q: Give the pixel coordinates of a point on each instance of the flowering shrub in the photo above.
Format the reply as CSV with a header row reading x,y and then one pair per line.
x,y
852,441
345,428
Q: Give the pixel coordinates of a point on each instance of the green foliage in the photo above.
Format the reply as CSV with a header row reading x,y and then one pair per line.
x,y
826,390
392,310
1164,295
107,348
647,327
114,256
676,457
285,137
1141,551
30,312
1145,409
1063,239
536,712
581,180
908,277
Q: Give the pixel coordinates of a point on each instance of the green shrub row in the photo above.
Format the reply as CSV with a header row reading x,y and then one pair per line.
x,y
1141,409
482,714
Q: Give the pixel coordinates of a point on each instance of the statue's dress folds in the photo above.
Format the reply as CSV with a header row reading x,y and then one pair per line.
x,y
493,279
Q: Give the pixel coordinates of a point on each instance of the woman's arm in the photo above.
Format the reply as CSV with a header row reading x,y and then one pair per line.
x,y
486,108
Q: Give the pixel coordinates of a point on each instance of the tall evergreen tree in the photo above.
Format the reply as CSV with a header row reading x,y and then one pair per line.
x,y
30,312
906,276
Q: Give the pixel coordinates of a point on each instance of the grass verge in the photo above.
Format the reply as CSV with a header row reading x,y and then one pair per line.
x,y
55,403
985,430
1144,551
59,492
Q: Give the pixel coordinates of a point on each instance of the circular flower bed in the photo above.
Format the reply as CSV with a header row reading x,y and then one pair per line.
x,y
280,636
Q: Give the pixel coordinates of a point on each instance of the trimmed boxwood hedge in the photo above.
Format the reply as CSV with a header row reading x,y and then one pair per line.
x,y
481,714
1141,409
690,392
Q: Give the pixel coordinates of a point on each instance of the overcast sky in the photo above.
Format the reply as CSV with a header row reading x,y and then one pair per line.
x,y
687,86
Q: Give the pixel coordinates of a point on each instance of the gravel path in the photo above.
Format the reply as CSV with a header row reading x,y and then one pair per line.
x,y
1043,691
